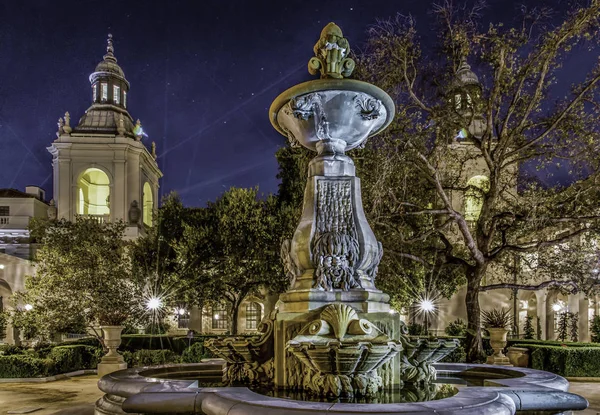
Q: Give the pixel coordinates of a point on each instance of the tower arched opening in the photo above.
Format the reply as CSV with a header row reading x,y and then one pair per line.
x,y
93,189
147,205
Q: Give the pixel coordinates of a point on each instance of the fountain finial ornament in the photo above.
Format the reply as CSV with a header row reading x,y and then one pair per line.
x,y
331,54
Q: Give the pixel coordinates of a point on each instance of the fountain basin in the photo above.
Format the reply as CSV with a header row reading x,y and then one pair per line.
x,y
353,111
144,391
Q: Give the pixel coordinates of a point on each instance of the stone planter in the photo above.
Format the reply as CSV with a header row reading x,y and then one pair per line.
x,y
498,342
112,361
518,356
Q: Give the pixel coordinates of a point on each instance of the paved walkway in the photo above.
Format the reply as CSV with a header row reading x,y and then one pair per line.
x,y
76,396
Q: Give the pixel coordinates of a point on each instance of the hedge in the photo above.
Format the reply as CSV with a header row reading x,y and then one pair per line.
x,y
147,357
565,361
177,344
61,359
527,342
23,366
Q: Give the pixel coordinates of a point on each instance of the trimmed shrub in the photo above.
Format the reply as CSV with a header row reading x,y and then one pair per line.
x,y
526,342
565,361
457,328
77,357
21,366
146,357
195,353
11,349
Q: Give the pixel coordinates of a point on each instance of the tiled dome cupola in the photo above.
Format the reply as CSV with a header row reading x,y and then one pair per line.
x,y
108,112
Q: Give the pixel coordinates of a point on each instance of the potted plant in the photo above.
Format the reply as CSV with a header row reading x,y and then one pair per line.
x,y
496,322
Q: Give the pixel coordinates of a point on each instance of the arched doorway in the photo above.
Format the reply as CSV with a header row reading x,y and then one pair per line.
x,y
147,205
556,304
93,189
528,304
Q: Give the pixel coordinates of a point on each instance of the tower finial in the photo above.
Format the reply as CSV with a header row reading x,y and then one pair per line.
x,y
110,49
331,54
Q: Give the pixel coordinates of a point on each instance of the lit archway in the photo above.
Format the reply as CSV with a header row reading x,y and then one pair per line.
x,y
147,205
477,186
94,194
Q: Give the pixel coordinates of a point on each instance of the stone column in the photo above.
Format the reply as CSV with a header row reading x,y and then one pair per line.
x,y
584,318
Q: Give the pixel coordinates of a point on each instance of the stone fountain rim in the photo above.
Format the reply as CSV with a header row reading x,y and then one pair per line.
x,y
516,393
330,84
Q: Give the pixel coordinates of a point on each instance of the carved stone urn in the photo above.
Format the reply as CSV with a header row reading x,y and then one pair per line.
x,y
333,255
112,361
498,342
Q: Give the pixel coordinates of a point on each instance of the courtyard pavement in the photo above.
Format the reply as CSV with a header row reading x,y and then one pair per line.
x,y
76,396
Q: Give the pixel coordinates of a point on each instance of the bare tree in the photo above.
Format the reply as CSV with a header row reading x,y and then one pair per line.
x,y
505,123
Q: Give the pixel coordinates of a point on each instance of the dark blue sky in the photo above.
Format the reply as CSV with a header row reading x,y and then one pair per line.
x,y
202,74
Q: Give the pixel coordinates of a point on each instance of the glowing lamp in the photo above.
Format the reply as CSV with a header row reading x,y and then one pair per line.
x,y
154,303
427,305
556,307
1,266
28,307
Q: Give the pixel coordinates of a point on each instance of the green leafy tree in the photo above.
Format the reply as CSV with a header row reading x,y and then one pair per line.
x,y
509,120
83,280
573,327
562,331
232,249
528,329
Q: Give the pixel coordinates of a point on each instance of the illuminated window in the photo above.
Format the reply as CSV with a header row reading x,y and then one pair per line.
x,y
94,194
220,317
104,91
94,92
477,186
469,102
4,210
125,99
147,205
116,94
252,316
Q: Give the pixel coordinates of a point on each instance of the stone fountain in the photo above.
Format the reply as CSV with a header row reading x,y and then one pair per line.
x,y
332,334
325,339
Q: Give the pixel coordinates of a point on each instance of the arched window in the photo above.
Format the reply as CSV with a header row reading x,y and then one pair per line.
x,y
477,186
252,316
147,205
220,317
94,194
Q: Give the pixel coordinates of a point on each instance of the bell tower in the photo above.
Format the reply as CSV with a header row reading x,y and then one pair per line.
x,y
101,167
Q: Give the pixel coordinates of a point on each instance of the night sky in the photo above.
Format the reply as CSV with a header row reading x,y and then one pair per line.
x,y
203,74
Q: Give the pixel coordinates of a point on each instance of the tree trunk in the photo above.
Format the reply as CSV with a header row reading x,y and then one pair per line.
x,y
235,310
474,345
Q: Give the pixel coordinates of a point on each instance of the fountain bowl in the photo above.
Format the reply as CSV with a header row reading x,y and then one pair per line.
x,y
336,109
